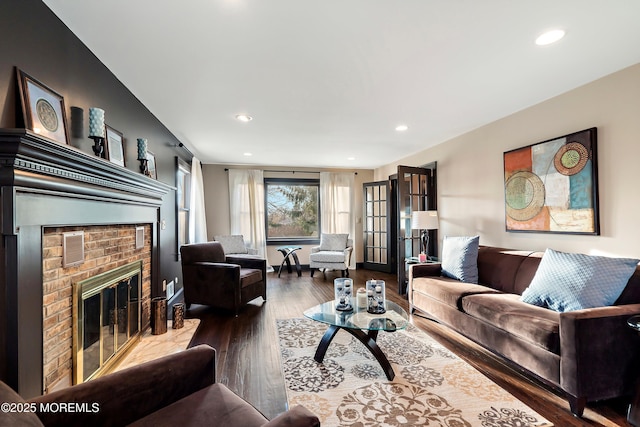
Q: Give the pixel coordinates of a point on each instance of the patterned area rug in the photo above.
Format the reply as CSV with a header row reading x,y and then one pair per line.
x,y
432,386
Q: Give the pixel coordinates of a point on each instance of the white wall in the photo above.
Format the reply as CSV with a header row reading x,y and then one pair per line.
x,y
216,194
470,168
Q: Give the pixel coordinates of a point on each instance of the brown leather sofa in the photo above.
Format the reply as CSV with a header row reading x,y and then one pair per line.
x,y
176,390
210,277
588,354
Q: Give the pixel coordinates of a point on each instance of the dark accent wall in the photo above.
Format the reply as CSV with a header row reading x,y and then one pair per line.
x,y
33,39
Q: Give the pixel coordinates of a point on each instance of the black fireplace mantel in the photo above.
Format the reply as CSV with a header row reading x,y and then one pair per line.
x,y
46,184
28,160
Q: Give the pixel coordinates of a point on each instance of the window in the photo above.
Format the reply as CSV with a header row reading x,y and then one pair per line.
x,y
183,202
292,210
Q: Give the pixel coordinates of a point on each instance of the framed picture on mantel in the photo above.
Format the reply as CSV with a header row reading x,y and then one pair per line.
x,y
114,146
552,186
42,108
151,165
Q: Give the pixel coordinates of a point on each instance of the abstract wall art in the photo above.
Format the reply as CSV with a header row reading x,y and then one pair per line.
x,y
552,186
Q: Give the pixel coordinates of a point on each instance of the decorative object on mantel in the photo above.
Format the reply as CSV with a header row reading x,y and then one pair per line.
x,y
42,108
97,129
142,156
151,165
552,186
114,147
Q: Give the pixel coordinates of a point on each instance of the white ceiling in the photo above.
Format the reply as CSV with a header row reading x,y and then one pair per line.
x,y
326,80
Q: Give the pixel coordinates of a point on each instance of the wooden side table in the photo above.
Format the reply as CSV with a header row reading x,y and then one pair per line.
x,y
633,416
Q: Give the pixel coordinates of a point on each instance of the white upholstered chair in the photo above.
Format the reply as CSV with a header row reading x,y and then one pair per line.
x,y
334,253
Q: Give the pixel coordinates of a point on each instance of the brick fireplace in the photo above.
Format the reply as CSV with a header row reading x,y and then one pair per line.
x,y
107,247
47,189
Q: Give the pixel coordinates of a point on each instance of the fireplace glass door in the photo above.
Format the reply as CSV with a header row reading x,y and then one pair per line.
x,y
108,312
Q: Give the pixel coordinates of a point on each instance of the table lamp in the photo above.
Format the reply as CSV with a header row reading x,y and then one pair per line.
x,y
424,220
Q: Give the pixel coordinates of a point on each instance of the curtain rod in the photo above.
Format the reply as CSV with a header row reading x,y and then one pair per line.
x,y
181,145
291,171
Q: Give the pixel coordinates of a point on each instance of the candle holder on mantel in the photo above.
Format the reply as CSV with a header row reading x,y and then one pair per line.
x,y
142,157
97,130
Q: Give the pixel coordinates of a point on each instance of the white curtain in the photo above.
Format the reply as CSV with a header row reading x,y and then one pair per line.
x,y
246,207
197,217
337,204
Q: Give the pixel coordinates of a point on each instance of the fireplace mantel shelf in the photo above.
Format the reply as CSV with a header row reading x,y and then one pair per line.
x,y
29,161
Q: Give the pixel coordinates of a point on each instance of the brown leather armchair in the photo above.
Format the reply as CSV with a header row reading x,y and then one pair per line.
x,y
211,278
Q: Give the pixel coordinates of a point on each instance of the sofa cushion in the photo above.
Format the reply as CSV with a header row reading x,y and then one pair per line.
x,y
16,418
327,256
498,267
447,291
536,325
249,276
571,281
233,244
215,405
333,242
460,258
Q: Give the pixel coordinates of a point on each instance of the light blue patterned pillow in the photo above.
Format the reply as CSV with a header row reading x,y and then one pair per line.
x,y
460,258
567,282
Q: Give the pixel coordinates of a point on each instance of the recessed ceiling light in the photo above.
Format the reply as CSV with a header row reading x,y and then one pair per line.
x,y
549,37
247,154
402,128
351,158
244,118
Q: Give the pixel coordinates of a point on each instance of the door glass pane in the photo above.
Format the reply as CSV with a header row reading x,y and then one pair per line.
x,y
415,183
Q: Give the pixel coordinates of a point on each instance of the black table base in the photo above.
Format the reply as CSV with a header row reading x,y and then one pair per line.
x,y
366,338
290,253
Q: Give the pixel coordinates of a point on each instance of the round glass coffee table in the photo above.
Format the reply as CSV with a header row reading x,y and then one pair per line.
x,y
362,325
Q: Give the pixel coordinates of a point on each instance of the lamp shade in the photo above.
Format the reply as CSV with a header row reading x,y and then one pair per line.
x,y
424,220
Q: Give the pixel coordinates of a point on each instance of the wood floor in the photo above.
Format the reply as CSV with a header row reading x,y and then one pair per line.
x,y
248,360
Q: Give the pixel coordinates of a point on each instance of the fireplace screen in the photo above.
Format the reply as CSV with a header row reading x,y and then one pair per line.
x,y
107,312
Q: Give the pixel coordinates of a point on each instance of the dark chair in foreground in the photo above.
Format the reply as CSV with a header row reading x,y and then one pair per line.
x,y
211,278
175,390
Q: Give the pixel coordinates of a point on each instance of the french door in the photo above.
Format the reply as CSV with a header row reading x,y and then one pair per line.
x,y
377,226
415,192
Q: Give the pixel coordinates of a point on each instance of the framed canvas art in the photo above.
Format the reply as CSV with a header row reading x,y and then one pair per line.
x,y
552,186
43,109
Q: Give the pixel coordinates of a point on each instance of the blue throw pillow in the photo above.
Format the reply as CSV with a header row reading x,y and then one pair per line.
x,y
567,282
460,258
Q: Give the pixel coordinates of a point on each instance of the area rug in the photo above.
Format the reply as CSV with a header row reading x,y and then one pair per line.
x,y
152,346
432,386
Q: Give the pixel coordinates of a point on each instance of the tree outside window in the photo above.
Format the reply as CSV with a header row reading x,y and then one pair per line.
x,y
292,210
